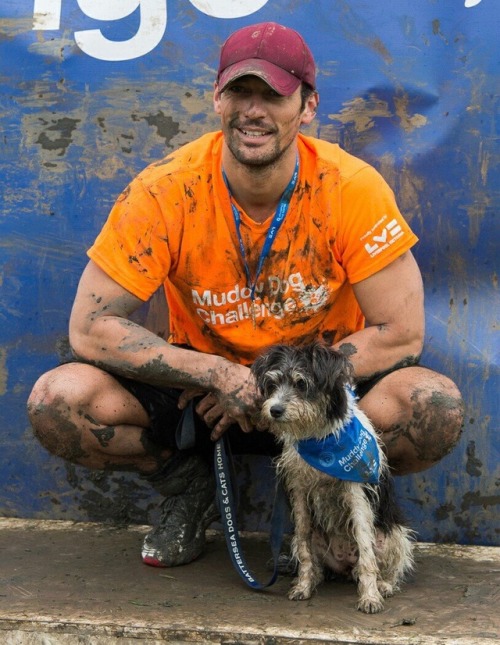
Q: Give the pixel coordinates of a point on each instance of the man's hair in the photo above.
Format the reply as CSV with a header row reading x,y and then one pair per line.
x,y
305,92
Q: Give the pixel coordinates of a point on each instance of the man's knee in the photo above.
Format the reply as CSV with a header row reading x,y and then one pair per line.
x,y
420,416
41,401
437,415
50,407
446,417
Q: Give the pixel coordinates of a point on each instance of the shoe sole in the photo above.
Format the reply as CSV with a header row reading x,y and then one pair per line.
x,y
152,560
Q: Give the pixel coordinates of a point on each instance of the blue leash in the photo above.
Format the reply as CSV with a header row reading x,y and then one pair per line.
x,y
224,475
225,499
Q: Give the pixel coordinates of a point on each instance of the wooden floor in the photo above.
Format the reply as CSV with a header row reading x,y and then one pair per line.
x,y
65,583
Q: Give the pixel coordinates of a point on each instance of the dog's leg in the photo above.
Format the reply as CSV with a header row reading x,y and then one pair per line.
x,y
395,557
310,572
393,545
366,571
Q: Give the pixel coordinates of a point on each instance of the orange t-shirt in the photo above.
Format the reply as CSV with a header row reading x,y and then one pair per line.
x,y
174,225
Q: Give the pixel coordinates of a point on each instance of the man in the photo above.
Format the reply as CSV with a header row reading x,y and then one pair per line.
x,y
259,235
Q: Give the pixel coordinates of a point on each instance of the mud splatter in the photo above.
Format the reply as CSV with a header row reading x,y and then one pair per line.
x,y
360,31
473,465
103,435
408,122
109,498
476,499
444,511
378,46
436,30
12,27
361,112
166,127
63,127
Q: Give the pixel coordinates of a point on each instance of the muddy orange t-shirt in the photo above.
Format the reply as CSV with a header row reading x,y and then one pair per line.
x,y
174,226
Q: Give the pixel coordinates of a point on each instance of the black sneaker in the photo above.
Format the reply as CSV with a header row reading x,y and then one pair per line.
x,y
187,511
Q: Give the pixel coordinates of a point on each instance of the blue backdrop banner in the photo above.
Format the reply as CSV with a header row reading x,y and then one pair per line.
x,y
92,91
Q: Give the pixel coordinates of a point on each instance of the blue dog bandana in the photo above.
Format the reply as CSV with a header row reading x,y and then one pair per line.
x,y
353,455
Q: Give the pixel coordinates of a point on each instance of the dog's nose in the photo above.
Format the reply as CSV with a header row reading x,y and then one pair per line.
x,y
277,411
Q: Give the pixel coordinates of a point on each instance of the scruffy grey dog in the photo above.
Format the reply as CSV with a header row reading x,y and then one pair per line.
x,y
352,528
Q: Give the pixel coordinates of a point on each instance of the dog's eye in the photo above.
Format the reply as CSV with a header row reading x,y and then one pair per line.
x,y
301,385
268,388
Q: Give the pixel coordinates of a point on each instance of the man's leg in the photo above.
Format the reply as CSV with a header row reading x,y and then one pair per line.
x,y
419,414
86,416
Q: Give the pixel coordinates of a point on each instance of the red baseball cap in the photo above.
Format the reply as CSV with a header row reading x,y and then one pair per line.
x,y
276,54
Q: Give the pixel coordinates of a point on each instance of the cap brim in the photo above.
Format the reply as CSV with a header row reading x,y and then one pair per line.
x,y
280,80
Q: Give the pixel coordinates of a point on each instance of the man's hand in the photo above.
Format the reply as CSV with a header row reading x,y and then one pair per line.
x,y
235,400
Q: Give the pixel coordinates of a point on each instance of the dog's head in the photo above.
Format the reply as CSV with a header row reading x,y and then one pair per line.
x,y
303,388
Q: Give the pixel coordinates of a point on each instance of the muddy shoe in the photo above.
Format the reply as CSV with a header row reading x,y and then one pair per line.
x,y
287,565
187,511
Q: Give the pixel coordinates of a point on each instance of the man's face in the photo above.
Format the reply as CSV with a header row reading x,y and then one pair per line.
x,y
260,125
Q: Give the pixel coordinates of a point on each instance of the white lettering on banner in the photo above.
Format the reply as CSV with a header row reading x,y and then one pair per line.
x,y
228,9
153,22
47,14
109,10
152,25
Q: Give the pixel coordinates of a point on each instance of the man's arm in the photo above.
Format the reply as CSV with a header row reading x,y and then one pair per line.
x,y
392,302
102,334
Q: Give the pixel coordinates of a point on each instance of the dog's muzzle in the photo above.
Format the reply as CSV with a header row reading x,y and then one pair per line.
x,y
277,411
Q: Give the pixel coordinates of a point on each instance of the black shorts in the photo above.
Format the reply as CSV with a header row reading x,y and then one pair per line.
x,y
165,416
363,387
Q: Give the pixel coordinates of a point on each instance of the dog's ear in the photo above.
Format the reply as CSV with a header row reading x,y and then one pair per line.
x,y
264,363
259,368
330,365
333,373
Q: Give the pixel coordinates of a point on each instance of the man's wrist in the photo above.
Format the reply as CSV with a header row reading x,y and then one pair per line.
x,y
219,373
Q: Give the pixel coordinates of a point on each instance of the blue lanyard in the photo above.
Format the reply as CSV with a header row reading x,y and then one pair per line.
x,y
278,218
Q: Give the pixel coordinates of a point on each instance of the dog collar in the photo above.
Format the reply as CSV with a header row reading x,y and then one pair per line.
x,y
352,454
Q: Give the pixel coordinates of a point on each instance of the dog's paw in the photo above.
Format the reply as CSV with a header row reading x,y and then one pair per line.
x,y
299,591
370,605
385,588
